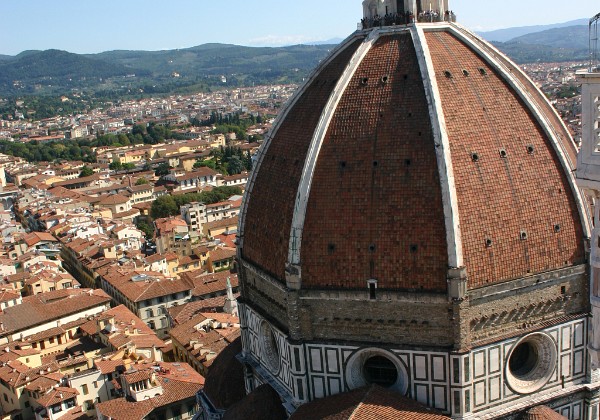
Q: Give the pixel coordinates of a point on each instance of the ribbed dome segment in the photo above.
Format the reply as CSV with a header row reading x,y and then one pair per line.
x,y
271,208
375,207
413,151
500,197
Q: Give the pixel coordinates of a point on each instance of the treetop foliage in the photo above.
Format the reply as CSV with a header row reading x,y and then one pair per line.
x,y
169,205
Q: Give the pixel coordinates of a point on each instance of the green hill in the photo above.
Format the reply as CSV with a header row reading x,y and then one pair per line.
x,y
221,59
553,45
56,68
112,73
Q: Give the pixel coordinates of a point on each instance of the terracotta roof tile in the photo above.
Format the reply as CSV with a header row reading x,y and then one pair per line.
x,y
271,203
369,403
500,197
542,412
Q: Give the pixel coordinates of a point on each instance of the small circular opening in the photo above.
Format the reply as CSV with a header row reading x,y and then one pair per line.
x,y
384,79
408,162
375,164
523,235
503,153
342,164
465,73
271,350
448,74
530,363
414,248
482,71
372,248
381,371
488,243
523,360
475,157
557,228
364,80
530,150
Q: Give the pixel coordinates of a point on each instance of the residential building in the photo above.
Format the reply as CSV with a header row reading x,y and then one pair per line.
x,y
173,235
146,294
165,391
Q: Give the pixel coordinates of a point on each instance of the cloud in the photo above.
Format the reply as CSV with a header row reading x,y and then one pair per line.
x,y
281,40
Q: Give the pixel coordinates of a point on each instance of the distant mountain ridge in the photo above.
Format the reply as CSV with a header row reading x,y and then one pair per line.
x,y
508,34
202,67
55,66
54,71
553,45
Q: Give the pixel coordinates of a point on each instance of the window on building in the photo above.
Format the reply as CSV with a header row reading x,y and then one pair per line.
x,y
70,403
95,384
51,340
56,408
176,414
149,313
52,289
84,389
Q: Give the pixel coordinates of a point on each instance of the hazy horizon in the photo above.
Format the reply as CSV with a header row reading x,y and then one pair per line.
x,y
94,27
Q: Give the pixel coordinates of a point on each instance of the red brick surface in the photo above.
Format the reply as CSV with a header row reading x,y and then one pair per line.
x,y
394,206
270,207
500,197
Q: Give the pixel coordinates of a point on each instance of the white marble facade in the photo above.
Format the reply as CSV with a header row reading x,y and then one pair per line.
x,y
472,385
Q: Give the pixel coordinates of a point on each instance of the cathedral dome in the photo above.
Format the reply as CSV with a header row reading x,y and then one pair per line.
x,y
413,153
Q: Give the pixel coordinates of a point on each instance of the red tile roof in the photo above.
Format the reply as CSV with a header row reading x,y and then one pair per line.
x,y
527,191
369,403
271,203
542,412
179,383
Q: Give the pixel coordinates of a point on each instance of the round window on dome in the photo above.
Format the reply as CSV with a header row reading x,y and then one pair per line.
x,y
376,366
270,348
380,370
531,362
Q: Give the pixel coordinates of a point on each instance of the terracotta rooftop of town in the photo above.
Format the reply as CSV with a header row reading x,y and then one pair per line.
x,y
114,199
150,284
205,284
48,306
178,380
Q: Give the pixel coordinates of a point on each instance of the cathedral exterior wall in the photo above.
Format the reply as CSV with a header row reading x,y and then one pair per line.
x,y
469,385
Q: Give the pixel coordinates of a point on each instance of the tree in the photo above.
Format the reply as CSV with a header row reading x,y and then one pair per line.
x,y
124,140
85,171
115,165
128,166
148,229
235,165
164,206
162,169
206,163
141,181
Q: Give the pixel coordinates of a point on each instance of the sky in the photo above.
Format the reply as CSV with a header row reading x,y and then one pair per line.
x,y
91,26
